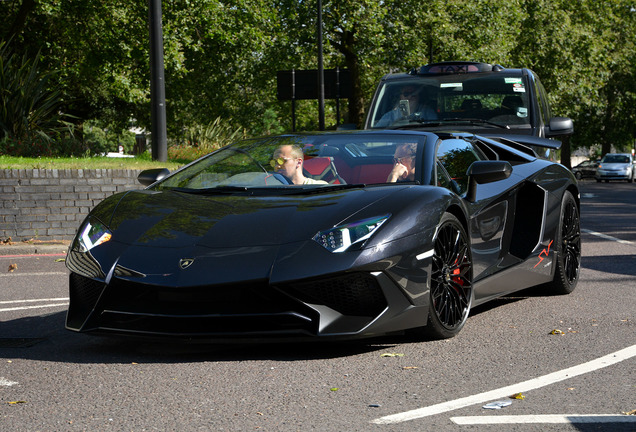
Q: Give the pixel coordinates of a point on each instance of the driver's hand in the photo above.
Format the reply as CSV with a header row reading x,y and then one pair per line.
x,y
399,172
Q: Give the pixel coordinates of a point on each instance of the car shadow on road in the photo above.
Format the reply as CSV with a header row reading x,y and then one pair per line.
x,y
617,264
44,338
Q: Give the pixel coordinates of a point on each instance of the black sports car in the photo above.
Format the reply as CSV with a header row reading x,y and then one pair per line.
x,y
326,236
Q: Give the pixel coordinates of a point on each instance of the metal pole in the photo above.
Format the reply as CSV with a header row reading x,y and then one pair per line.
x,y
157,86
337,96
293,100
321,73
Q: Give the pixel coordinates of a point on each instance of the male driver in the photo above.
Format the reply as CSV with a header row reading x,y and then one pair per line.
x,y
409,106
288,161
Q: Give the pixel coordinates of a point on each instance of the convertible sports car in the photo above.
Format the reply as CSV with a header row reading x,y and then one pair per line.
x,y
231,248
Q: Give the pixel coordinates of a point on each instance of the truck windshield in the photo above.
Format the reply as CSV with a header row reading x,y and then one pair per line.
x,y
499,99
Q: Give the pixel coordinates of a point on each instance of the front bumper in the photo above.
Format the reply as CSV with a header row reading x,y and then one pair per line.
x,y
613,175
350,305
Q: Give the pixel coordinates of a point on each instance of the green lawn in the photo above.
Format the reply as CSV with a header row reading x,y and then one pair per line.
x,y
9,162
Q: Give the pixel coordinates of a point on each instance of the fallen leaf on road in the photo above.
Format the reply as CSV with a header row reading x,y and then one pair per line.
x,y
392,355
517,396
557,332
12,267
16,402
334,389
410,367
632,412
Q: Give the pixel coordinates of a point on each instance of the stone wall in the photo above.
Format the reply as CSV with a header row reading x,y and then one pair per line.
x,y
50,204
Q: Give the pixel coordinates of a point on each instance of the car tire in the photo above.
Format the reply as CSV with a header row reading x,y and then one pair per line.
x,y
451,289
578,175
568,248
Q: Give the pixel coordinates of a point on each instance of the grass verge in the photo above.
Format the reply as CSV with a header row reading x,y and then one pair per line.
x,y
134,163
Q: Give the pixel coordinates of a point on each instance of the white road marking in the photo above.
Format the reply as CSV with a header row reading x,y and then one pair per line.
x,y
525,386
33,307
33,274
45,300
606,237
35,300
545,419
6,383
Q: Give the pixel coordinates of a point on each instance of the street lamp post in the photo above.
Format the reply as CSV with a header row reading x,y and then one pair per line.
x,y
157,85
321,73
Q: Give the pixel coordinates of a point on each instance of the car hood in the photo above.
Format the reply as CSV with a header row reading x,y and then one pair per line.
x,y
170,219
614,166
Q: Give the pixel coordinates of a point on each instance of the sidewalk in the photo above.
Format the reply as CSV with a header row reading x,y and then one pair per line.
x,y
34,247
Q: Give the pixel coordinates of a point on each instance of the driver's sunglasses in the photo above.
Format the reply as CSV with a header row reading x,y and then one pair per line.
x,y
279,161
400,159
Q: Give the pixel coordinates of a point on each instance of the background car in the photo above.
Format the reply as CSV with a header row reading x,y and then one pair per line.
x,y
227,248
616,166
585,169
485,99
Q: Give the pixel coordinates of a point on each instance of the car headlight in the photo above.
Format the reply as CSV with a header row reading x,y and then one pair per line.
x,y
341,238
91,234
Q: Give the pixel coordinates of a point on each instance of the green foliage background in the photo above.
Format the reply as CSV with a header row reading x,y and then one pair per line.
x,y
221,58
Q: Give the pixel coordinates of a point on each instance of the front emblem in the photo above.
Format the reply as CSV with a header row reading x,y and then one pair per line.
x,y
184,263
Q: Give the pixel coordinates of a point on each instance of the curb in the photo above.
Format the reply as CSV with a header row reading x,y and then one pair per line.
x,y
43,248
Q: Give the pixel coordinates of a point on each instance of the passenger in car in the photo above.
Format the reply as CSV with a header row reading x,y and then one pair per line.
x,y
403,164
288,160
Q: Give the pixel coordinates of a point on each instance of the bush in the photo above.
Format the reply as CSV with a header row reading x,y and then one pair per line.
x,y
101,139
204,139
59,146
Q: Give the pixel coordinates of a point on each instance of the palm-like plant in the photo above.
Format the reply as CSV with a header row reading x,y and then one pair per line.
x,y
29,102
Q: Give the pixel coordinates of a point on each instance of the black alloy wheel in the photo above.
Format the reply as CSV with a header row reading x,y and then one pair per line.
x,y
568,251
451,280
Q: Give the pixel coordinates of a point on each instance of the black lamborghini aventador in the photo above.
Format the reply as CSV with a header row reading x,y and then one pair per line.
x,y
389,231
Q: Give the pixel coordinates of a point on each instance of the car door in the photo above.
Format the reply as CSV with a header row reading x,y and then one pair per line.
x,y
488,219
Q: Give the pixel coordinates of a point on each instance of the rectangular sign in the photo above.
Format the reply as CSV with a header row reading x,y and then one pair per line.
x,y
303,84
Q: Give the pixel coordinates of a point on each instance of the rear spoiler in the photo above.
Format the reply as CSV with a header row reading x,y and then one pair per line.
x,y
528,140
531,145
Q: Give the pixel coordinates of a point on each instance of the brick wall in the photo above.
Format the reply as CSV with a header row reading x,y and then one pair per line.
x,y
49,204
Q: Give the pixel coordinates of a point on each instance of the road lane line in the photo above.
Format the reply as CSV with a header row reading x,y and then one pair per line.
x,y
607,237
35,300
33,307
503,392
544,419
33,274
6,383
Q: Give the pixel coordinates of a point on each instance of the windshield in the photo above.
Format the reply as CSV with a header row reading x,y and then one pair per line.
x,y
300,162
494,98
614,158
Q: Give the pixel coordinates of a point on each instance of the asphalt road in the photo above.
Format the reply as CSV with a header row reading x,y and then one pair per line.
x,y
581,380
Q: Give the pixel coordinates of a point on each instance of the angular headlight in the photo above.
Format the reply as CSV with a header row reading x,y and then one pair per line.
x,y
91,234
342,237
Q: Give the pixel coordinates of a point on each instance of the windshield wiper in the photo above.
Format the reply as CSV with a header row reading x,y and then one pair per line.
x,y
456,120
476,121
212,190
300,190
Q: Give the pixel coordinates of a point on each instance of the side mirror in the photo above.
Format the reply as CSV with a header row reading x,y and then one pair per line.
x,y
559,126
482,172
149,176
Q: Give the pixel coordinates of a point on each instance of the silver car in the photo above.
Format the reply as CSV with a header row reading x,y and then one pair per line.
x,y
616,166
